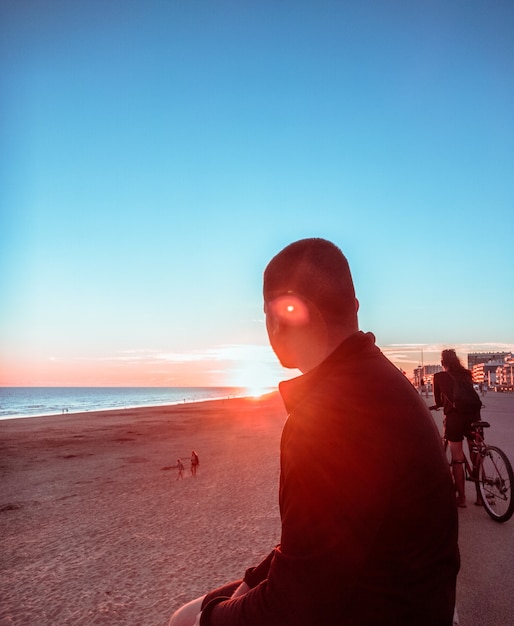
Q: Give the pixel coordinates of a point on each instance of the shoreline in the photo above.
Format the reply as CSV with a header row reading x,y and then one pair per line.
x,y
141,412
135,406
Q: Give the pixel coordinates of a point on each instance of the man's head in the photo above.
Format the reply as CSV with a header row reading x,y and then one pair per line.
x,y
309,300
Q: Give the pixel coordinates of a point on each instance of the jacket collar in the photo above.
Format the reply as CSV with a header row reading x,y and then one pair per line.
x,y
293,391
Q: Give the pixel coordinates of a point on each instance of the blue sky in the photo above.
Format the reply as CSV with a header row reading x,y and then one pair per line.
x,y
155,155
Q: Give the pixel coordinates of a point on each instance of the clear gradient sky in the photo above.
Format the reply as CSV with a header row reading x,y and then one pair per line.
x,y
155,155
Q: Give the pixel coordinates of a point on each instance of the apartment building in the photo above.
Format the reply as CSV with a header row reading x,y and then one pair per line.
x,y
493,369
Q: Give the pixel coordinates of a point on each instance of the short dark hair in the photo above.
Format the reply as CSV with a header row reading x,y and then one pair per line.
x,y
316,270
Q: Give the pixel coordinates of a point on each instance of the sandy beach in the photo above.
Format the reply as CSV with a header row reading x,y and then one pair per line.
x,y
96,529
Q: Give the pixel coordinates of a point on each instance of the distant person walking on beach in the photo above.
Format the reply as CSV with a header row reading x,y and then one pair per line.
x,y
195,462
457,420
369,535
180,468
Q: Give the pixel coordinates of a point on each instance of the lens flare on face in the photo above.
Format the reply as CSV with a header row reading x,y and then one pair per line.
x,y
289,309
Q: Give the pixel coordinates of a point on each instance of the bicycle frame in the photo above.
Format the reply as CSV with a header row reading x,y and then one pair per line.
x,y
491,471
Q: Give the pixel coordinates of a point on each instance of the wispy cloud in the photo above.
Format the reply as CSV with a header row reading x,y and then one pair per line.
x,y
409,355
228,364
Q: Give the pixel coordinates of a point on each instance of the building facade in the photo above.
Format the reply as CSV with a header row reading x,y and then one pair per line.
x,y
505,375
424,375
474,358
492,369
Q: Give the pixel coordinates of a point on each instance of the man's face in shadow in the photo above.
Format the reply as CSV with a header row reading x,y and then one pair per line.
x,y
286,319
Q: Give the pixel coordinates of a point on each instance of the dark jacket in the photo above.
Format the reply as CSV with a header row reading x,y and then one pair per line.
x,y
443,389
369,520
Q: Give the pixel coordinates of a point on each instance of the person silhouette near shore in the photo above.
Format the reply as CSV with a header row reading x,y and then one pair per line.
x,y
195,462
368,536
180,469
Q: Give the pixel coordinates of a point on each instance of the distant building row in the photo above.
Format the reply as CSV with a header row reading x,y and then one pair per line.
x,y
494,369
424,375
490,369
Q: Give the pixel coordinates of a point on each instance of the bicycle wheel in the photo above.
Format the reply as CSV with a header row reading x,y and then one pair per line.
x,y
495,481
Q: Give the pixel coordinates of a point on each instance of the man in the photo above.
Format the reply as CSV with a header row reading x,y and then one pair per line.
x,y
369,531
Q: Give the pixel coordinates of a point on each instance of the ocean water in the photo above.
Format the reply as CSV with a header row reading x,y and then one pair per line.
x,y
33,401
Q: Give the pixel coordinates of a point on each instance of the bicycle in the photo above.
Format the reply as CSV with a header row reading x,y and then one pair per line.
x,y
491,472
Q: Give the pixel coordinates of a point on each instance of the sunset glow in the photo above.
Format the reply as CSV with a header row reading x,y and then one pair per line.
x,y
155,163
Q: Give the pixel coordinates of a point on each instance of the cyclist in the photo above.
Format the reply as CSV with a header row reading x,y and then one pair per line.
x,y
457,422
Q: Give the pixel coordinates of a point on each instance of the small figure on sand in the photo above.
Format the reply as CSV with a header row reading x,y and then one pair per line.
x,y
180,468
195,462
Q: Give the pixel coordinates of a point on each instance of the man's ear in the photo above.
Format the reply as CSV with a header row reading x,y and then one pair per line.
x,y
356,305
